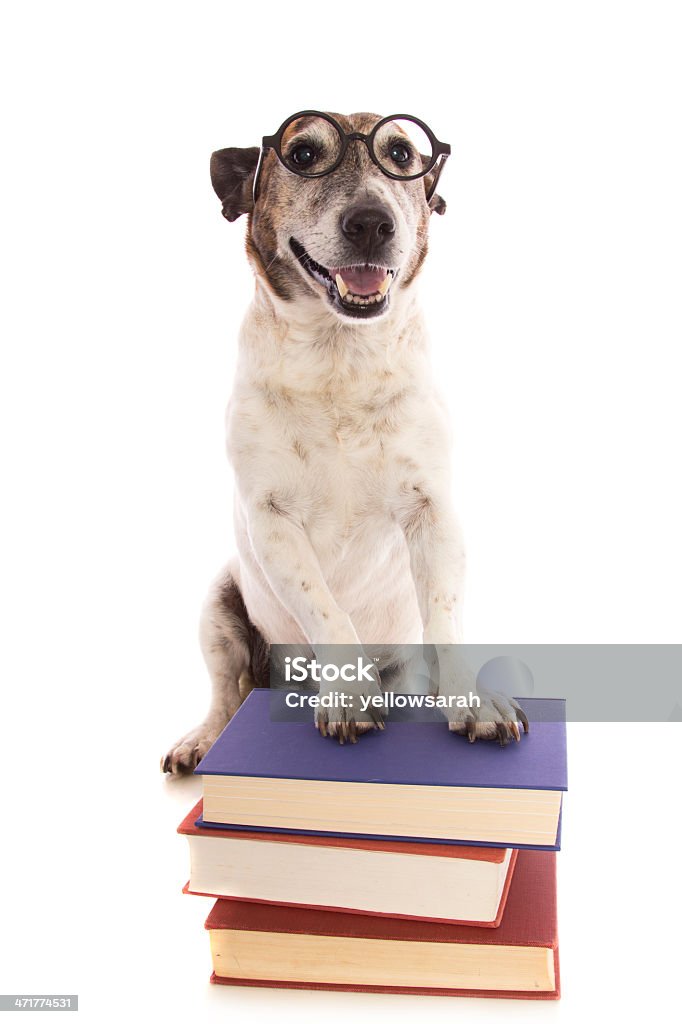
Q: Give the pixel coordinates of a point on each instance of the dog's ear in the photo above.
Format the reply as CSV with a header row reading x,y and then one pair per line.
x,y
437,204
232,174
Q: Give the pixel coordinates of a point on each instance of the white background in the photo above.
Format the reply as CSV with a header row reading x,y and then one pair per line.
x,y
552,291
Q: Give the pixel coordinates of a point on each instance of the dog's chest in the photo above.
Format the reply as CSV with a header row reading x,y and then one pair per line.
x,y
334,456
346,483
345,462
349,445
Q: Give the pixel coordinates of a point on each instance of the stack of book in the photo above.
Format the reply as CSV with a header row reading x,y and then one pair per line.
x,y
411,862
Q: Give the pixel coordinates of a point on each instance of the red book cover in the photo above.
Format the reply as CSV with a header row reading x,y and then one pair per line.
x,y
530,919
493,855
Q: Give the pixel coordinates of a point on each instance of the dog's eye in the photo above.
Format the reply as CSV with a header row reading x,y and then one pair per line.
x,y
303,155
400,153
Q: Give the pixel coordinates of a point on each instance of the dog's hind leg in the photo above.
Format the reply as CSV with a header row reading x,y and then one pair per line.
x,y
236,657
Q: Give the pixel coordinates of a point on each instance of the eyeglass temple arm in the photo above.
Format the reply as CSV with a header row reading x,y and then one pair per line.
x,y
266,144
437,173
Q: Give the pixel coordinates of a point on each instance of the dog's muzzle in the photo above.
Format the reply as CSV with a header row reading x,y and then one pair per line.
x,y
358,290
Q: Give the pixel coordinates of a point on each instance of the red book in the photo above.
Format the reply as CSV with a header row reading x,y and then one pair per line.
x,y
277,946
432,881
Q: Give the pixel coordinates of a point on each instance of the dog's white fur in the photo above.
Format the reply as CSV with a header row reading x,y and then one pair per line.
x,y
337,426
343,516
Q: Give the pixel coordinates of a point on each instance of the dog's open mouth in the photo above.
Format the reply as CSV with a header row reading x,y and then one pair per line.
x,y
361,290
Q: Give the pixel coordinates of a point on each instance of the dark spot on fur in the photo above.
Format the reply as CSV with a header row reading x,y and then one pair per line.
x,y
418,515
276,503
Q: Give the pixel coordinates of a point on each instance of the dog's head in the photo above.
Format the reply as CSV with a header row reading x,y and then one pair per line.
x,y
349,238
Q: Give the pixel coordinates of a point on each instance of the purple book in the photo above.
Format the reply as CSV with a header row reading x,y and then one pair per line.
x,y
414,780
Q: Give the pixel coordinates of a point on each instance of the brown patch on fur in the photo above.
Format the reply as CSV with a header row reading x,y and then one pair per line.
x,y
261,231
270,266
233,605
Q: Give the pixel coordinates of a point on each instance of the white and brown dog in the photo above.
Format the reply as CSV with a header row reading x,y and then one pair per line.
x,y
338,439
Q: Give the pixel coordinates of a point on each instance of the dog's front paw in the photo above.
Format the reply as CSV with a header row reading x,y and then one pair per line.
x,y
186,754
498,718
349,715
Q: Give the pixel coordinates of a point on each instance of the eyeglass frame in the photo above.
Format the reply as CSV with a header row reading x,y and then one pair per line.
x,y
440,151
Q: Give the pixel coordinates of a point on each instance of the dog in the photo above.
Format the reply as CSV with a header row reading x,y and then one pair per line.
x,y
339,441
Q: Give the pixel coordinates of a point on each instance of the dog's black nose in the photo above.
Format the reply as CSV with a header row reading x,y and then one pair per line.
x,y
368,228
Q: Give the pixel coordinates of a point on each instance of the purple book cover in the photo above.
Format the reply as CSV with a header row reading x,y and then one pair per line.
x,y
409,753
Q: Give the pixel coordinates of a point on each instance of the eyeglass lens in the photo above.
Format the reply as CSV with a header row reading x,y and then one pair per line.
x,y
311,145
402,147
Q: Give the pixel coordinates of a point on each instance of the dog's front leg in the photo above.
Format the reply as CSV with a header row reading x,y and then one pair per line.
x,y
437,563
290,565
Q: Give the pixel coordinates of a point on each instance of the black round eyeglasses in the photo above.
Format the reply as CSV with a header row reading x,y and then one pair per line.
x,y
313,144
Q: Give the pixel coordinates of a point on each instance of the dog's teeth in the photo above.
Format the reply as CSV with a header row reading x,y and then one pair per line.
x,y
386,283
361,300
342,286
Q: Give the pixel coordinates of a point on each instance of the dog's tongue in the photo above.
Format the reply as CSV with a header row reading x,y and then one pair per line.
x,y
362,280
